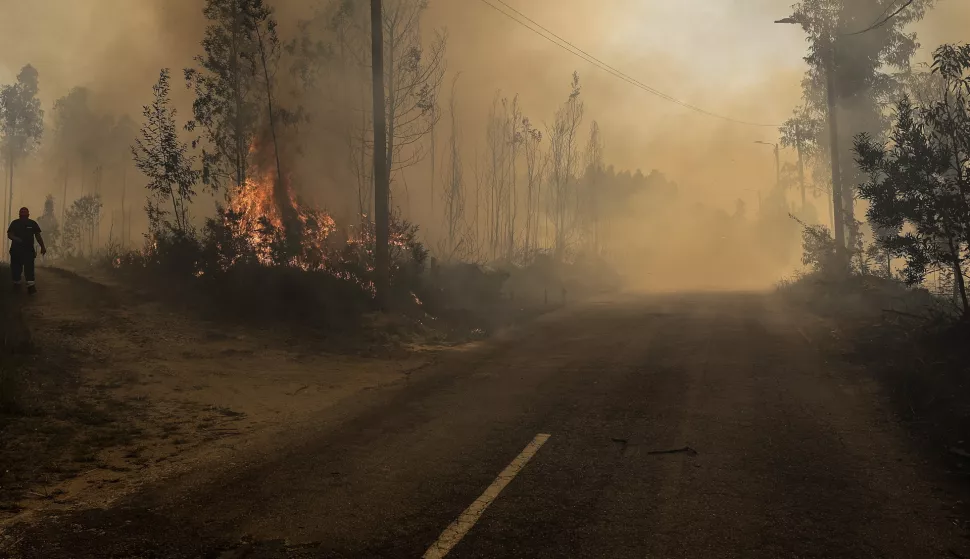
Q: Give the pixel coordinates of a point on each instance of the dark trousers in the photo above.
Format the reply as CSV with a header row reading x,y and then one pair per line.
x,y
22,264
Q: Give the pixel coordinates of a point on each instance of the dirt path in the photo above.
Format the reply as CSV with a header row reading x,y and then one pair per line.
x,y
153,393
682,426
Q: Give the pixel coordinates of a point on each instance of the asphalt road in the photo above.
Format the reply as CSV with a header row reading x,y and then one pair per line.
x,y
791,454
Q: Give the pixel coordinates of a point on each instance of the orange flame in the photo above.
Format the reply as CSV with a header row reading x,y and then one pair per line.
x,y
259,220
256,206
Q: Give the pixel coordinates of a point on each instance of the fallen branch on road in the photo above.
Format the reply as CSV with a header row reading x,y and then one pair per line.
x,y
686,449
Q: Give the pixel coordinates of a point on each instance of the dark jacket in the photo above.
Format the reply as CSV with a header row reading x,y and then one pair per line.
x,y
26,230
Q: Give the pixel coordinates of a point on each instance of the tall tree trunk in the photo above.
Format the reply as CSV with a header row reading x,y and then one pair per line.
x,y
239,131
178,213
837,199
388,108
10,165
801,164
6,193
962,285
365,199
433,168
381,166
291,222
958,279
124,189
64,199
511,206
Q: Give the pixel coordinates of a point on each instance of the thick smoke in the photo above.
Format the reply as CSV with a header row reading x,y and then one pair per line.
x,y
727,57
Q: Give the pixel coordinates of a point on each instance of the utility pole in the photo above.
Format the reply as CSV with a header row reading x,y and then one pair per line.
x,y
777,164
382,179
838,208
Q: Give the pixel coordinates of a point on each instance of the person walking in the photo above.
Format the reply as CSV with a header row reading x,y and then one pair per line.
x,y
22,233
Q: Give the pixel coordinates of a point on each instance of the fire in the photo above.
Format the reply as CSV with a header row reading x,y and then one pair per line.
x,y
261,222
254,216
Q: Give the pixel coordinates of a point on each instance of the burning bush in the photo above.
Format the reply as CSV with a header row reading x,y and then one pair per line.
x,y
245,259
252,227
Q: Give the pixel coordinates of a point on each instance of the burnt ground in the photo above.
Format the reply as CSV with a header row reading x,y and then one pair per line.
x,y
731,425
104,391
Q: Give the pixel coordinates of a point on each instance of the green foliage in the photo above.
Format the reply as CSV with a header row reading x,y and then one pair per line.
x,y
818,248
807,131
84,138
21,116
50,226
861,59
228,90
165,161
919,185
248,271
563,161
73,122
21,122
81,222
870,70
224,244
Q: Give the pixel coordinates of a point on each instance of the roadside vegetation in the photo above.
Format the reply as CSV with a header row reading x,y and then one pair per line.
x,y
898,301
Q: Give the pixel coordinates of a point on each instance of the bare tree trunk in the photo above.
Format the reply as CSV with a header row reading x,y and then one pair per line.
x,y
454,195
363,198
801,164
291,223
239,131
6,211
538,216
64,199
387,110
837,199
433,168
177,211
514,121
958,278
124,189
381,167
10,165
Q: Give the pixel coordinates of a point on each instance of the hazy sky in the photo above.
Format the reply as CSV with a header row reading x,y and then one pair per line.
x,y
723,55
726,56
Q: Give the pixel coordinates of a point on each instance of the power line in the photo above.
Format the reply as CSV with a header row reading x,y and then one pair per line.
x,y
555,39
884,21
573,49
889,6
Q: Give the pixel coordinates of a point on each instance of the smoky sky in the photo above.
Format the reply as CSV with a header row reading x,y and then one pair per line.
x,y
725,56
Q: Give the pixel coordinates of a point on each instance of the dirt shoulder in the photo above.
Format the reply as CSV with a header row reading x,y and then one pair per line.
x,y
125,392
917,355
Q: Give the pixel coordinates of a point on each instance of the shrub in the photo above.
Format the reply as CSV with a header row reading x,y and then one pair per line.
x,y
250,268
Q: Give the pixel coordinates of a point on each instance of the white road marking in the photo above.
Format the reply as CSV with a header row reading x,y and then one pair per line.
x,y
457,529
